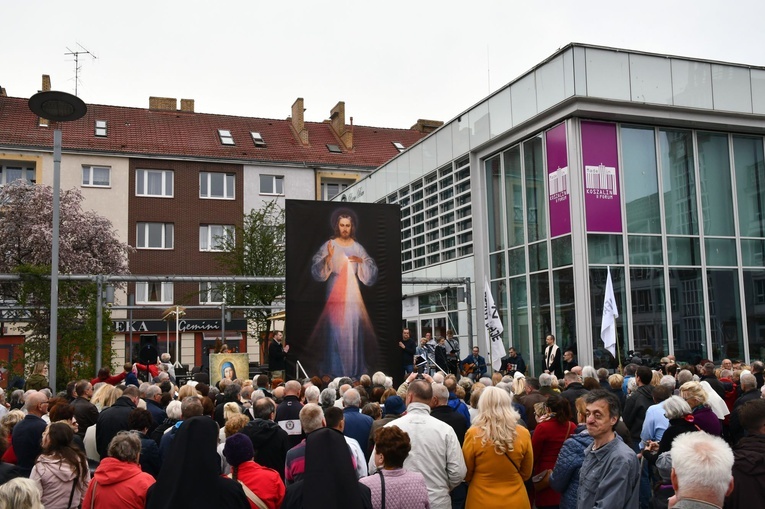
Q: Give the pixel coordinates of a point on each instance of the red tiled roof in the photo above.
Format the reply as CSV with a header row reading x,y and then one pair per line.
x,y
144,132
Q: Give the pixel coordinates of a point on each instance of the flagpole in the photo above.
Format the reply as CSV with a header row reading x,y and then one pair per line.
x,y
618,353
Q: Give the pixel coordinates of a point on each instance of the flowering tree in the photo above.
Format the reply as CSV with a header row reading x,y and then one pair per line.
x,y
88,244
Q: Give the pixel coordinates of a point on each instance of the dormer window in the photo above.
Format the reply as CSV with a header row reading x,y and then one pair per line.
x,y
225,137
258,140
101,128
335,149
399,146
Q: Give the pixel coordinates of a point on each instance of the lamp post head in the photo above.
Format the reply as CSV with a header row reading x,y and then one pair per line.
x,y
57,106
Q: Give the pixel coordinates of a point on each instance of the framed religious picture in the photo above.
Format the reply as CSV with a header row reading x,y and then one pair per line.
x,y
229,365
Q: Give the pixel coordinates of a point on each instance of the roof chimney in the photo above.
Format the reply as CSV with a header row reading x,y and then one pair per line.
x,y
337,121
45,88
298,123
427,126
3,93
187,105
163,103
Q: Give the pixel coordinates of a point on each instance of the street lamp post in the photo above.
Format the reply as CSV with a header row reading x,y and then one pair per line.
x,y
56,107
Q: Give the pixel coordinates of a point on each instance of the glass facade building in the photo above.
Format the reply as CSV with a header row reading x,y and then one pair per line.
x,y
648,165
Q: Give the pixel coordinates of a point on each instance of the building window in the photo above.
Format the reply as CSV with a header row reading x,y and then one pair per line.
x,y
154,183
212,293
214,237
335,149
10,174
101,128
399,146
154,292
225,137
216,185
154,236
96,176
272,184
331,189
257,139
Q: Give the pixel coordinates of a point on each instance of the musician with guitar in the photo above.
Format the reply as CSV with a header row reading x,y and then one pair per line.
x,y
473,366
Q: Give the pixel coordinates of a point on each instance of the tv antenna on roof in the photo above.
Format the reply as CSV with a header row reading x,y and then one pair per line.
x,y
77,62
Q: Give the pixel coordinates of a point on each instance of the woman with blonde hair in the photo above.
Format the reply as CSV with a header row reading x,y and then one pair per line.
x,y
703,416
20,493
186,391
498,454
519,386
105,396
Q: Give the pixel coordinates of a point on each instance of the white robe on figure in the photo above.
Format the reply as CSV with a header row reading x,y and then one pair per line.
x,y
344,326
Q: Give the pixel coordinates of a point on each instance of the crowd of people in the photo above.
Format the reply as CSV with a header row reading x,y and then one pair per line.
x,y
684,436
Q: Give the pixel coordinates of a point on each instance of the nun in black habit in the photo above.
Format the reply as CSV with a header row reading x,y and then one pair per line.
x,y
191,477
330,478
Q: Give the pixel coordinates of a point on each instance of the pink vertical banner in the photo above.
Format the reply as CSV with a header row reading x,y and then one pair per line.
x,y
558,181
601,177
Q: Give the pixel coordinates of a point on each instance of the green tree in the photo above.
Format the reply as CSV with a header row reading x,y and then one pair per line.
x,y
257,249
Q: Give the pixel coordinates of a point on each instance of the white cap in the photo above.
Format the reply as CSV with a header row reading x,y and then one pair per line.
x,y
518,375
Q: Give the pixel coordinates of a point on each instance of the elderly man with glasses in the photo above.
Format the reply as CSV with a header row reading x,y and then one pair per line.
x,y
27,434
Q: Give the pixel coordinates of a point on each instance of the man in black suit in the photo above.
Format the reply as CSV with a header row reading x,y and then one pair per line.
x,y
276,356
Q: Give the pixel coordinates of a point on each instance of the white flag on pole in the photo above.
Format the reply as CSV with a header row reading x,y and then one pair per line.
x,y
494,345
610,314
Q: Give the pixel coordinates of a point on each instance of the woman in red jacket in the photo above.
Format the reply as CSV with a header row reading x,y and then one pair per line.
x,y
547,441
118,481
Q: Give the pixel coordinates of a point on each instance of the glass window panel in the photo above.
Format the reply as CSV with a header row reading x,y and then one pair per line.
x,y
216,185
155,234
203,187
726,327
100,176
598,276
649,319
267,184
86,175
168,186
154,182
140,240
13,174
605,249
538,256
519,323
565,313
689,334
540,314
139,181
169,235
497,264
721,252
230,185
683,251
536,198
753,252
754,294
679,182
494,203
645,250
203,236
750,185
716,188
514,196
516,261
561,251
641,184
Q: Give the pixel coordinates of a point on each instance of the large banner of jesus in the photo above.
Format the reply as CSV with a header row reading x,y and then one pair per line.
x,y
343,287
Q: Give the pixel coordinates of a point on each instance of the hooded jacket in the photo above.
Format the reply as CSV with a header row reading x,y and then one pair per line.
x,y
118,484
748,472
270,443
56,477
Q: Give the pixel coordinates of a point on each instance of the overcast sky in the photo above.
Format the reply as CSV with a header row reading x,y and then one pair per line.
x,y
391,62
